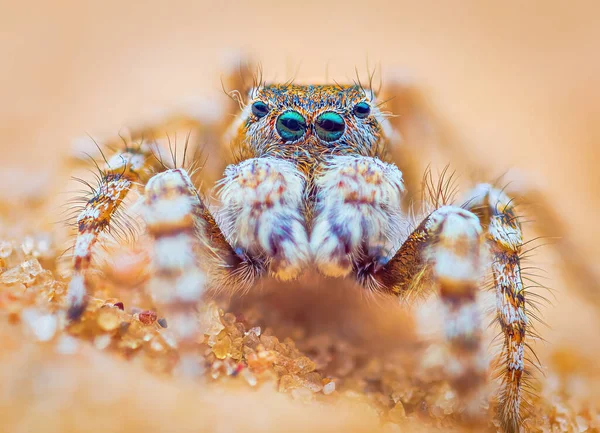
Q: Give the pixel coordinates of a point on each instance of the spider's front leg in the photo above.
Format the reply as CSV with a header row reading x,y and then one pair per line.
x,y
446,250
172,212
190,251
263,213
357,214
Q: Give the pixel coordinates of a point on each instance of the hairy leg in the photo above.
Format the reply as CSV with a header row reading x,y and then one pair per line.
x,y
436,251
123,172
504,237
262,213
444,251
170,208
190,252
118,176
357,213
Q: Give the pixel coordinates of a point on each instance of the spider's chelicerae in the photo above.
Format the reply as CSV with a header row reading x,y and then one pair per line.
x,y
311,185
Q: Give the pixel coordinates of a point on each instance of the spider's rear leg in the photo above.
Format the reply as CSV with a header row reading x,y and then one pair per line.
x,y
119,175
504,237
445,251
263,213
357,213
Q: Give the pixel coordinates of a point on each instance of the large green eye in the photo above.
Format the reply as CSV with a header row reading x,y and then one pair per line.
x,y
330,126
291,126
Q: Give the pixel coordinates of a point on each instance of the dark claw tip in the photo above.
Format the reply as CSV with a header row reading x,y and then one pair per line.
x,y
75,312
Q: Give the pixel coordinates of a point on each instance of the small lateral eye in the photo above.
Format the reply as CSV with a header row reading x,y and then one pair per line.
x,y
362,110
260,109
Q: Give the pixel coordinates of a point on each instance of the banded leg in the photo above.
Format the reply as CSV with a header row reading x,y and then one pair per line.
x,y
262,213
504,237
445,251
358,213
121,172
170,213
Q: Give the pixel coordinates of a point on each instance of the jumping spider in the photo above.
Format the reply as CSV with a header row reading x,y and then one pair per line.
x,y
311,185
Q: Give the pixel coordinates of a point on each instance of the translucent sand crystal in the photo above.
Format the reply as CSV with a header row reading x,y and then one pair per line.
x,y
6,249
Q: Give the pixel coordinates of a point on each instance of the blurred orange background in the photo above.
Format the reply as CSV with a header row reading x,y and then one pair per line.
x,y
516,84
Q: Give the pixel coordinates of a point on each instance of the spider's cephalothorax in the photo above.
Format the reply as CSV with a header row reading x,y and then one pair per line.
x,y
308,123
310,186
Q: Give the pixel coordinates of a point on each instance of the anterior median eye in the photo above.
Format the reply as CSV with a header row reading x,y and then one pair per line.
x,y
362,110
330,126
260,109
291,125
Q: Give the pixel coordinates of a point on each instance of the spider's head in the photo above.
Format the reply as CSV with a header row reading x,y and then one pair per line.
x,y
307,122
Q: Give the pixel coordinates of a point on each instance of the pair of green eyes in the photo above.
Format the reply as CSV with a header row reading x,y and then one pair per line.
x,y
329,126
